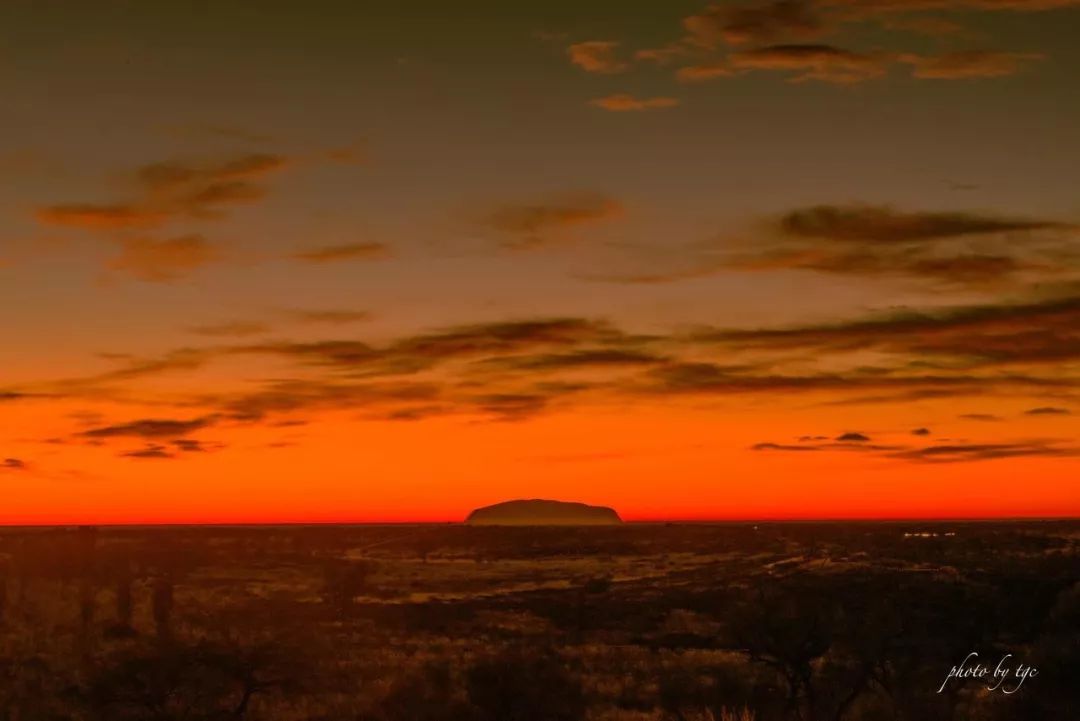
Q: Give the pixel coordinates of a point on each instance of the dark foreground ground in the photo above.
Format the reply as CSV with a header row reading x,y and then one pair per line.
x,y
635,623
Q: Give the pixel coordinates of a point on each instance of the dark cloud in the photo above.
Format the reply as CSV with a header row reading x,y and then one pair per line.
x,y
730,38
882,224
708,379
13,464
984,417
955,248
760,22
839,446
957,453
946,250
347,252
151,428
517,368
534,225
288,396
189,445
782,447
822,63
1035,332
512,406
942,453
920,432
150,451
1047,411
181,359
868,7
578,359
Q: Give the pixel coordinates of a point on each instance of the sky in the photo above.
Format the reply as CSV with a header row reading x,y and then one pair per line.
x,y
352,262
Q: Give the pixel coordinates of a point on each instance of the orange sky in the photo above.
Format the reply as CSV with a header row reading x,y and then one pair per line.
x,y
735,260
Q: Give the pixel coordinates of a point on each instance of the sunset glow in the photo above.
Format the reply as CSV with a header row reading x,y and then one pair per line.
x,y
262,264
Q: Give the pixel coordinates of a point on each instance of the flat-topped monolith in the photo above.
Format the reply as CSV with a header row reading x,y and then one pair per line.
x,y
540,512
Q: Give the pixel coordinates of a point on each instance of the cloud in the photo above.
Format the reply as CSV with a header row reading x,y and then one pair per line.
x,y
932,26
288,396
420,352
785,35
1032,332
578,359
149,451
101,217
164,193
950,249
518,368
958,453
984,417
151,428
970,64
162,261
347,155
181,359
597,56
13,464
1047,411
920,432
231,329
623,102
329,316
857,446
169,190
701,378
942,249
782,447
824,63
705,71
346,252
533,225
760,22
511,406
942,453
883,224
189,445
870,7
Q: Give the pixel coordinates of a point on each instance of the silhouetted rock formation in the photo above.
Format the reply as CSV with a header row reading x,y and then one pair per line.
x,y
537,512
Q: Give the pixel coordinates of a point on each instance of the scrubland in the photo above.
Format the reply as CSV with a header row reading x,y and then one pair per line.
x,y
665,622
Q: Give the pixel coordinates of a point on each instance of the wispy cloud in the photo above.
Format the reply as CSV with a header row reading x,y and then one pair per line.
x,y
164,193
344,253
537,224
970,64
624,102
597,56
230,329
151,428
163,260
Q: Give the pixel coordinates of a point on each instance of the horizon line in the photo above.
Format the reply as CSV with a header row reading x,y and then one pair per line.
x,y
884,520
